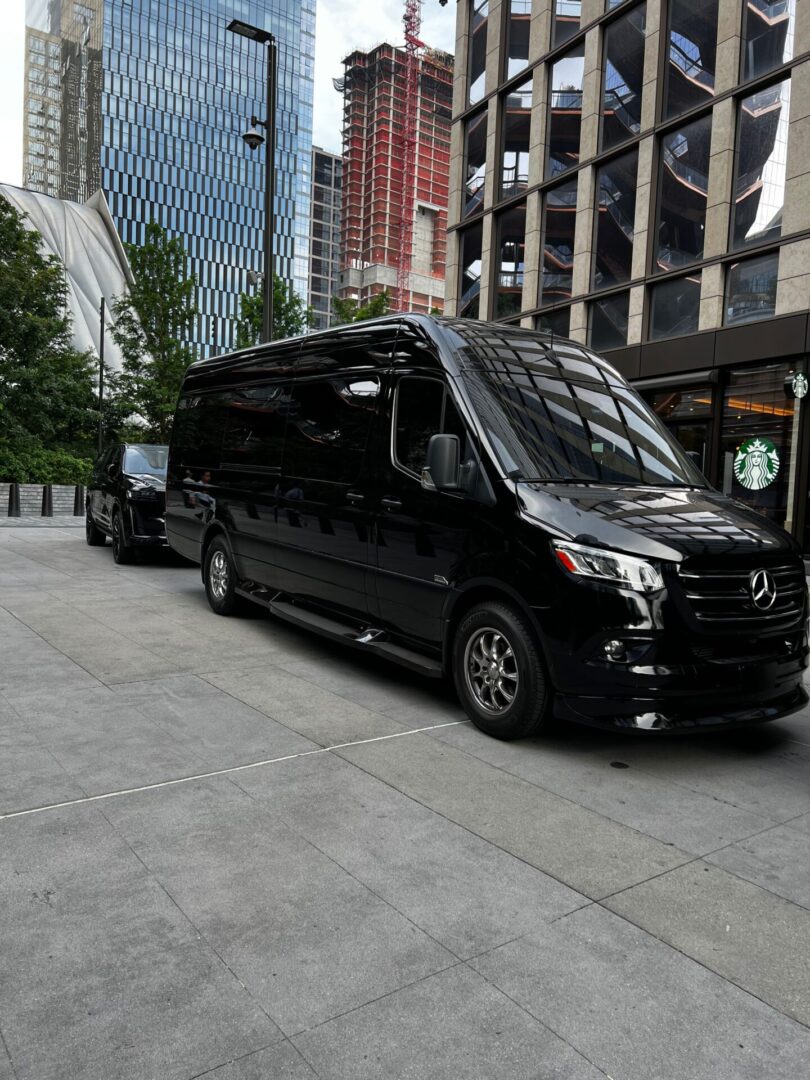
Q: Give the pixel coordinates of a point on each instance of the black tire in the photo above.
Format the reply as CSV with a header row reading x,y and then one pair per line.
x,y
123,553
95,537
220,580
495,655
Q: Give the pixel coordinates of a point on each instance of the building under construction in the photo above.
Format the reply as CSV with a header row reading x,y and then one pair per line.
x,y
396,166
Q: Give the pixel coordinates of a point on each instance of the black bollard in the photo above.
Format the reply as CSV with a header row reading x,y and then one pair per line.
x,y
47,500
14,500
78,500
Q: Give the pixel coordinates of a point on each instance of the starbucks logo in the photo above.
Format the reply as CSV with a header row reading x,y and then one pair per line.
x,y
756,464
800,385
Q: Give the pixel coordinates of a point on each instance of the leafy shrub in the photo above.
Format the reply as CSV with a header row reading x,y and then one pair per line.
x,y
37,466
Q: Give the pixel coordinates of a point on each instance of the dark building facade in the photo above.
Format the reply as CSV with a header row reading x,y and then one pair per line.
x,y
324,241
147,100
636,176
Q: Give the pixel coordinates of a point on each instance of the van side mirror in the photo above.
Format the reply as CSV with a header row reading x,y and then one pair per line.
x,y
442,471
112,470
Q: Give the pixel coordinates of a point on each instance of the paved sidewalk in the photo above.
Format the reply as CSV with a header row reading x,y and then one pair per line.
x,y
35,521
230,849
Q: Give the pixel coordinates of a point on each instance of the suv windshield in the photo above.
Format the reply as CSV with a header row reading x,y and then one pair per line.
x,y
146,460
555,412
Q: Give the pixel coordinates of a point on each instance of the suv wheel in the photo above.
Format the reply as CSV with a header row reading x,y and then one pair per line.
x,y
499,673
220,579
122,551
95,537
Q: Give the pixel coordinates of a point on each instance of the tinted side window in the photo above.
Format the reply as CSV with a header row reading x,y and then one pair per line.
x,y
423,409
199,424
328,427
254,429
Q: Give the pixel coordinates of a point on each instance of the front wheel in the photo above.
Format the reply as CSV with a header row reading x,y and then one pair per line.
x,y
499,673
95,537
220,580
123,553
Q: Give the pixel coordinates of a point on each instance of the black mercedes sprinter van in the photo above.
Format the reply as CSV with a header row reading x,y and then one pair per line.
x,y
479,501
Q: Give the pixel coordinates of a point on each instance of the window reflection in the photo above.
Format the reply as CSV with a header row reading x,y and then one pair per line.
x,y
616,215
751,289
517,36
470,257
759,183
683,194
675,307
567,14
559,221
478,49
517,114
692,52
565,111
555,322
767,35
511,253
623,78
475,163
608,322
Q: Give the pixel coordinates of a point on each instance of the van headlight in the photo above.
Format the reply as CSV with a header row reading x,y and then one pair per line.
x,y
609,566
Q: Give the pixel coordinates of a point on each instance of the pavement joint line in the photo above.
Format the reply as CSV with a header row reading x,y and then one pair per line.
x,y
219,772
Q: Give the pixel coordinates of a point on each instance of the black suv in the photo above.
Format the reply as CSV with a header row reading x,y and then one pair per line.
x,y
126,499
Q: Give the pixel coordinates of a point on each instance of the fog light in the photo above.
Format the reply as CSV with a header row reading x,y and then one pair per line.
x,y
615,650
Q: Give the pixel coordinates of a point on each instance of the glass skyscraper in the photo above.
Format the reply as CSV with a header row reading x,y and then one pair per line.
x,y
148,100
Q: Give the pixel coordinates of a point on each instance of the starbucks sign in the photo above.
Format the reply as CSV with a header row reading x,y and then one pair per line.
x,y
756,464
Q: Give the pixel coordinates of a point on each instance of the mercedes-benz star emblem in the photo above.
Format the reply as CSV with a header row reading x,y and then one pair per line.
x,y
763,589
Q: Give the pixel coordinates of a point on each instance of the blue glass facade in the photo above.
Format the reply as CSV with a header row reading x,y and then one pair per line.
x,y
176,92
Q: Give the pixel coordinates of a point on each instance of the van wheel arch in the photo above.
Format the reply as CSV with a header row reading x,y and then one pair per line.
x,y
484,592
214,530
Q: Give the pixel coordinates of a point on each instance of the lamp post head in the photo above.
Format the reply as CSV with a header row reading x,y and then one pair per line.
x,y
254,33
253,137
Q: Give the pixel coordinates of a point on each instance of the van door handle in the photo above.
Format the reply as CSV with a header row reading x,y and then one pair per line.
x,y
355,498
391,504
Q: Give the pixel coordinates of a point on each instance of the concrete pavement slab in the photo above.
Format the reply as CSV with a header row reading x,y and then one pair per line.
x,y
306,938
452,1026
751,937
584,850
31,775
464,892
317,714
778,860
280,1062
638,1009
564,763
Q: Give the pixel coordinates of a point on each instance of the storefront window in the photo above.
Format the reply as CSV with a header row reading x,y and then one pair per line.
x,y
511,255
475,160
751,289
616,215
759,440
517,117
608,322
675,307
683,194
692,53
559,222
565,111
478,49
761,162
517,39
767,35
688,413
566,20
470,258
624,77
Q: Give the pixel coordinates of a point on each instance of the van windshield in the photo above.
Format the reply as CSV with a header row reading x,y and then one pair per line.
x,y
549,427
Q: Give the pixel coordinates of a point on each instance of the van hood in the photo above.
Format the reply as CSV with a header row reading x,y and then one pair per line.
x,y
667,524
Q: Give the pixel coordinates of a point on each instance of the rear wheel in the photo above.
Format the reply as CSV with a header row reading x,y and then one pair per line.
x,y
499,673
95,537
123,553
220,580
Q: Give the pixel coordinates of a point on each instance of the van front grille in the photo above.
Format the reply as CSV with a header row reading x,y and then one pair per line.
x,y
719,597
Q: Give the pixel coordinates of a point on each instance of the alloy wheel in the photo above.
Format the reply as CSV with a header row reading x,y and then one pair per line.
x,y
490,670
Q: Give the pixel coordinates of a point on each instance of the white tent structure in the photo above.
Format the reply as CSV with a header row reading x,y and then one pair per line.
x,y
84,238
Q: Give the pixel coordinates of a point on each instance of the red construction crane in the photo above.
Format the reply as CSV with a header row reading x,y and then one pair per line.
x,y
412,20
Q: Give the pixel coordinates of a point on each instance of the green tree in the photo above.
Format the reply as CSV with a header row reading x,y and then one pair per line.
x,y
348,311
47,395
291,316
152,326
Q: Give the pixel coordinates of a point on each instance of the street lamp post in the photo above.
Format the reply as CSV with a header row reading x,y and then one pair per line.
x,y
254,138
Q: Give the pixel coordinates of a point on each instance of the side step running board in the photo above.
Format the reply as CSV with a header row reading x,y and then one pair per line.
x,y
337,631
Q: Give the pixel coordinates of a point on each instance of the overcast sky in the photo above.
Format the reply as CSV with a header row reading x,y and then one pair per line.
x,y
342,25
